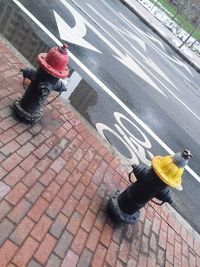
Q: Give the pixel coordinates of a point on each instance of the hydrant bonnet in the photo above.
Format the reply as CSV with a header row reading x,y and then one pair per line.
x,y
170,168
55,61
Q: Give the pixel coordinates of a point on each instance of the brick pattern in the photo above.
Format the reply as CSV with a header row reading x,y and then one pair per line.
x,y
55,179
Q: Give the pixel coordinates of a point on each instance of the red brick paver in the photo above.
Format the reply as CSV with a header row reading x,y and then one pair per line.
x,y
55,179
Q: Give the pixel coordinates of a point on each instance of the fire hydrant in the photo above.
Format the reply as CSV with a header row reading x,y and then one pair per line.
x,y
53,66
152,182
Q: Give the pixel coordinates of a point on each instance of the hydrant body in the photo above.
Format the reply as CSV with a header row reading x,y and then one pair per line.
x,y
125,206
44,80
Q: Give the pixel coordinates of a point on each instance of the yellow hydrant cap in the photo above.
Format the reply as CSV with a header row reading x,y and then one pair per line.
x,y
170,168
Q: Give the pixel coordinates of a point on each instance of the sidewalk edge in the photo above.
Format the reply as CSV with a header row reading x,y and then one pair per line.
x,y
192,64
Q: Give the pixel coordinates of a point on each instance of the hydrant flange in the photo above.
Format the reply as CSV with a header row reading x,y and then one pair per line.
x,y
117,214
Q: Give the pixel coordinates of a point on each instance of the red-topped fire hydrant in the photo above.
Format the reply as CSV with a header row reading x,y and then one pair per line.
x,y
152,182
53,66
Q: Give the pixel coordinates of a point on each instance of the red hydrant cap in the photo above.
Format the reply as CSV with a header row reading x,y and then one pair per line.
x,y
55,62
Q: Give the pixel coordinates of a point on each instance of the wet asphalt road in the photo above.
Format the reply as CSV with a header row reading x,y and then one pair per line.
x,y
143,72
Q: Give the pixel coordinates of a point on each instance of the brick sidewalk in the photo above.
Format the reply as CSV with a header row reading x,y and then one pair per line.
x,y
55,180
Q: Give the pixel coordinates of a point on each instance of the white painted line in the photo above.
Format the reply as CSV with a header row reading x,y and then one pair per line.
x,y
149,61
103,86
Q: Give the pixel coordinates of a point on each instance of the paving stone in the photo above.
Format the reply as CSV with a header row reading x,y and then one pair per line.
x,y
93,239
83,205
79,190
88,220
5,207
29,162
7,136
14,176
63,244
35,192
41,151
43,164
25,253
38,140
19,211
47,177
10,148
55,207
33,263
170,253
6,227
112,253
153,243
25,150
31,177
106,235
62,177
4,189
124,251
51,191
22,231
69,206
79,241
58,164
41,228
16,193
99,256
59,225
74,222
45,249
38,209
54,261
7,251
70,259
54,152
85,258
11,162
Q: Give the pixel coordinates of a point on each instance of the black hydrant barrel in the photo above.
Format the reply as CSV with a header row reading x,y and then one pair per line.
x,y
34,97
139,193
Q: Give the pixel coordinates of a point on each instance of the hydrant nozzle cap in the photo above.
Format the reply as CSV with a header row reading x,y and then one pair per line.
x,y
170,168
64,48
186,154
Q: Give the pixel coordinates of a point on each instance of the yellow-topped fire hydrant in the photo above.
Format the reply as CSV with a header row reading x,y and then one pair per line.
x,y
152,182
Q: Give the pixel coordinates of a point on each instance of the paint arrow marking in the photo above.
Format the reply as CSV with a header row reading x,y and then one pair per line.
x,y
73,35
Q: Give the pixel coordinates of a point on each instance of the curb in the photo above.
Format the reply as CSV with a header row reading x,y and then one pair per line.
x,y
191,63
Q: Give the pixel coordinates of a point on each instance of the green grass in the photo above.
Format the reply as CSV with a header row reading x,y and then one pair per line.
x,y
170,10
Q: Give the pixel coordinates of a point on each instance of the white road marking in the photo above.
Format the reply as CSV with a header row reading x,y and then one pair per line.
x,y
125,58
74,35
103,86
162,53
136,66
